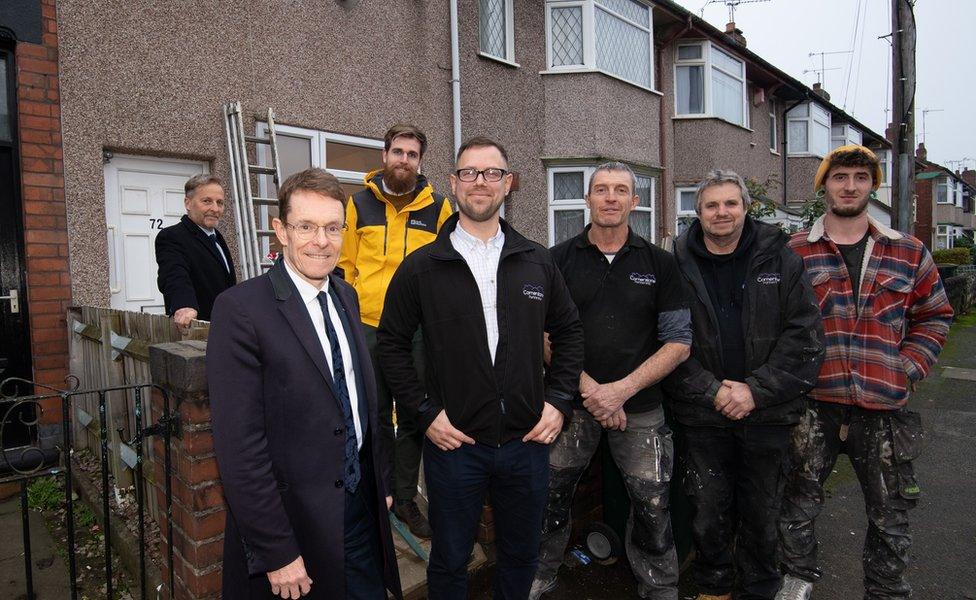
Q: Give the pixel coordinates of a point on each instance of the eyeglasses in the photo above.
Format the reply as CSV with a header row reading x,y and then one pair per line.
x,y
307,231
491,175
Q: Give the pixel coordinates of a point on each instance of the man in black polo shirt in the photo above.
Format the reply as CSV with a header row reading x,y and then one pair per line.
x,y
637,329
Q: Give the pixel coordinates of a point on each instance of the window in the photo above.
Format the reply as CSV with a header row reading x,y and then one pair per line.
x,y
5,133
498,30
567,203
721,94
808,130
943,237
884,158
959,201
844,135
773,146
347,157
686,214
612,36
945,191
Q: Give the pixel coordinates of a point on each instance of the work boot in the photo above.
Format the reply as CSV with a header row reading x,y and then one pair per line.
x,y
541,586
794,588
714,597
407,511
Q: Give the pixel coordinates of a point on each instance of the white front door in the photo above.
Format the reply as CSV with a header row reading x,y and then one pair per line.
x,y
142,195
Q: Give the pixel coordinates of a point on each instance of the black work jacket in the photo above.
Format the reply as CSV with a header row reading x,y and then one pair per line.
x,y
492,403
784,340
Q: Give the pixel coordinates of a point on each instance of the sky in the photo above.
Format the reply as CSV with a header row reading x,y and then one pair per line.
x,y
786,32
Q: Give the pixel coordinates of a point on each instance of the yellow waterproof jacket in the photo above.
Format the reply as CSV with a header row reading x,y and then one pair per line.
x,y
378,237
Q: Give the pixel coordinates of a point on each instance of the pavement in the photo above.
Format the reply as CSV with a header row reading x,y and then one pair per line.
x,y
49,571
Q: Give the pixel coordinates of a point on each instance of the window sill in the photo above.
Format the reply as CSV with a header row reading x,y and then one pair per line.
x,y
711,118
497,59
773,152
804,155
574,70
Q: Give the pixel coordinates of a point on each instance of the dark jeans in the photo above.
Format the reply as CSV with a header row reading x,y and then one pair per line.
x,y
734,477
644,452
881,446
405,445
363,551
516,478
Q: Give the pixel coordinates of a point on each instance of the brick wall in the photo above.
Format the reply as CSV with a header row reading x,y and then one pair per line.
x,y
924,203
45,222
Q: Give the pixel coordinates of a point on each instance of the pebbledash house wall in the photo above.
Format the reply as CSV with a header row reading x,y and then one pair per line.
x,y
151,80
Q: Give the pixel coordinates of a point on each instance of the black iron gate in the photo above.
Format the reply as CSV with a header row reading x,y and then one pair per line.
x,y
28,462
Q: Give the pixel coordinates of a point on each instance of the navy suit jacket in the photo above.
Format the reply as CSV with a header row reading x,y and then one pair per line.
x,y
280,440
191,272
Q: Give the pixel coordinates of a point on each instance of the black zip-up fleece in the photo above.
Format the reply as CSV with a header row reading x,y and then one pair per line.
x,y
783,332
492,403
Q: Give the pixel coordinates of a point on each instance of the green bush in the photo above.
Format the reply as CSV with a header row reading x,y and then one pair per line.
x,y
45,493
952,256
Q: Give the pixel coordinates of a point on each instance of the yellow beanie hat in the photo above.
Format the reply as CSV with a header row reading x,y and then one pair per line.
x,y
818,181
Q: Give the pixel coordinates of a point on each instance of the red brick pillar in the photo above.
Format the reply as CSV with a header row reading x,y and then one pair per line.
x,y
42,187
198,502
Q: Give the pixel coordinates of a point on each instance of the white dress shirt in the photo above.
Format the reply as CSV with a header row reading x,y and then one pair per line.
x,y
482,259
310,297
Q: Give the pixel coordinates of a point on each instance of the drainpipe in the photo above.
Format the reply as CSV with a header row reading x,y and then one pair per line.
x,y
455,76
662,121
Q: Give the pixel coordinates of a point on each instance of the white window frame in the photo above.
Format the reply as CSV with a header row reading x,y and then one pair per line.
x,y
679,213
811,121
844,134
773,131
946,183
589,8
944,236
317,141
509,58
708,64
580,203
884,160
959,199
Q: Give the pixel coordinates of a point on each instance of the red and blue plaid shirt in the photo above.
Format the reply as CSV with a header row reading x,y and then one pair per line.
x,y
890,339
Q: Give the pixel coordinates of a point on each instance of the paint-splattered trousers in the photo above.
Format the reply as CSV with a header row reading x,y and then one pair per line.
x,y
734,478
881,446
644,453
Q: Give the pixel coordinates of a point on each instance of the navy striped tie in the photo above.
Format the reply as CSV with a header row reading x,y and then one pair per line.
x,y
352,473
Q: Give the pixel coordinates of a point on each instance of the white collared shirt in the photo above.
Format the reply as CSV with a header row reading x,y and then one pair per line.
x,y
213,232
482,259
310,297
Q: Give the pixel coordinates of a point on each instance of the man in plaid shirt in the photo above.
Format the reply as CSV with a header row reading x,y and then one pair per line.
x,y
886,317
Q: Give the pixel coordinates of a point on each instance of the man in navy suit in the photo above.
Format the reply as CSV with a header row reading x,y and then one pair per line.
x,y
194,261
293,400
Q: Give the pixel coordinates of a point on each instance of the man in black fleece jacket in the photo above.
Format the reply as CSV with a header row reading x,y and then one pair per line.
x,y
483,295
757,348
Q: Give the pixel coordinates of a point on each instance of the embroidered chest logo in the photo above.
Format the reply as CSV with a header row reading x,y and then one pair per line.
x,y
643,279
768,278
533,292
417,223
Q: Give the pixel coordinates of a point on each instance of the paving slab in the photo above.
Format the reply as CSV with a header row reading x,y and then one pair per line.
x,y
49,571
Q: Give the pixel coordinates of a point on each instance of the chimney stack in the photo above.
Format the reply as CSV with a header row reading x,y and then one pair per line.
x,y
818,90
921,153
735,34
969,176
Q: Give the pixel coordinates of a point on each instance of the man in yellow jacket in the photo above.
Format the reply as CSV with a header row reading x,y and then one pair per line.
x,y
397,213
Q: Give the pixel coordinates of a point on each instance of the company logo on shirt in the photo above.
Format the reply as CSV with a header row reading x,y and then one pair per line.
x,y
417,223
643,279
768,278
533,292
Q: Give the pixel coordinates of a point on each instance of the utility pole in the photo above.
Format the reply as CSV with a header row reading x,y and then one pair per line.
x,y
903,113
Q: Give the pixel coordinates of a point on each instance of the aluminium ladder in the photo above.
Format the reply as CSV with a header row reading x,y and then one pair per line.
x,y
251,231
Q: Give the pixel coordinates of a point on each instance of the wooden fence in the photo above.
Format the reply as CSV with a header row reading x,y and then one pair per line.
x,y
108,348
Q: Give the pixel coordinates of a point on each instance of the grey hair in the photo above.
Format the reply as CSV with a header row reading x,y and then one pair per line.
x,y
198,181
721,177
614,166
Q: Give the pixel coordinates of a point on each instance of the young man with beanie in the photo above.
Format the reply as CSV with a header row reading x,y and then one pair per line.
x,y
757,348
397,213
886,317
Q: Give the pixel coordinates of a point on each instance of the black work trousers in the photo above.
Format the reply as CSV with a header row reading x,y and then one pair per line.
x,y
881,446
734,478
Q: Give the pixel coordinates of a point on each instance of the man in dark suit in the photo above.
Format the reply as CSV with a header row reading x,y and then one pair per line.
x,y
293,399
194,261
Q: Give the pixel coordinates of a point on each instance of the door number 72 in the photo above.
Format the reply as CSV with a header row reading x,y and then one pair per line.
x,y
155,223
